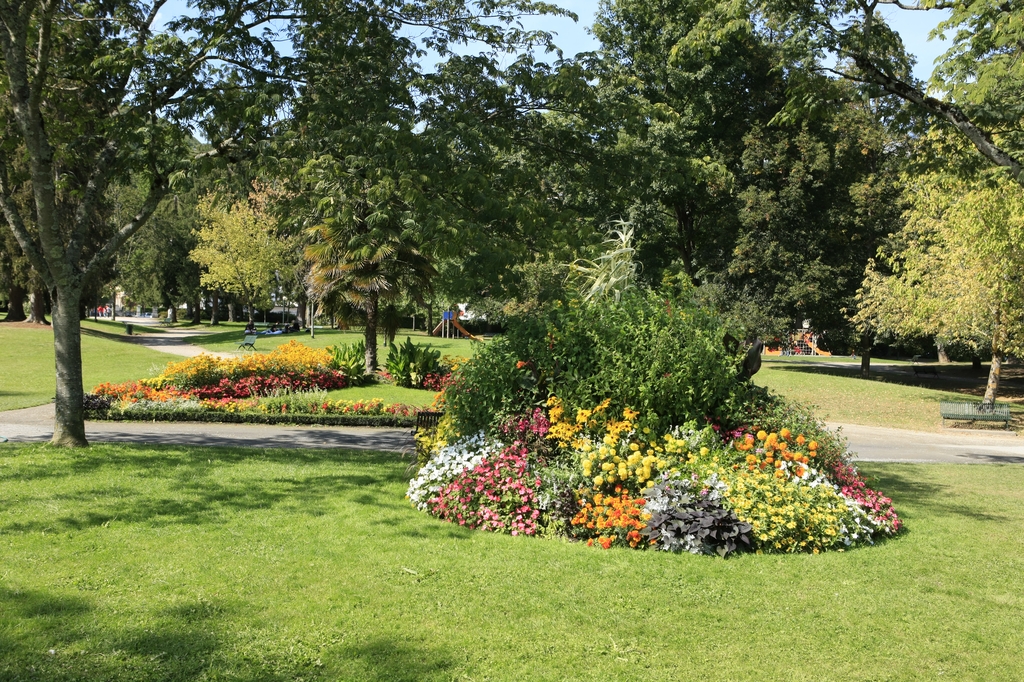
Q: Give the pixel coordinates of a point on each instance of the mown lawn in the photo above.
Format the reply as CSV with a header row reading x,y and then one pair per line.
x,y
227,340
28,375
386,392
162,563
892,400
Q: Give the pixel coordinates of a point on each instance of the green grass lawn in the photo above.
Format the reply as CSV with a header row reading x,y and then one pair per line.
x,y
226,341
26,356
841,396
163,563
386,392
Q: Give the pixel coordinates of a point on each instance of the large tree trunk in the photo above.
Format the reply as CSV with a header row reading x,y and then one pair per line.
x,y
995,370
215,307
943,355
172,313
232,314
16,304
430,318
370,333
867,341
37,306
69,420
197,310
300,309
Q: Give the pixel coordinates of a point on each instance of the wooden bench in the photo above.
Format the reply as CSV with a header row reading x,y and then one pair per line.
x,y
426,419
920,369
954,410
248,342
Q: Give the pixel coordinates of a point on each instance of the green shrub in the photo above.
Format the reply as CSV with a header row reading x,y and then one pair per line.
x,y
663,356
351,360
409,363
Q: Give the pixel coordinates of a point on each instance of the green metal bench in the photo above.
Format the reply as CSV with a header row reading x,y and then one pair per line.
x,y
973,412
425,419
248,342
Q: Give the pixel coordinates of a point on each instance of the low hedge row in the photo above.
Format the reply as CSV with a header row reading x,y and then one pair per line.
x,y
383,420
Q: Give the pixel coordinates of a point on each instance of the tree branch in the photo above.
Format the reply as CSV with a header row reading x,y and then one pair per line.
x,y
157,191
950,112
21,233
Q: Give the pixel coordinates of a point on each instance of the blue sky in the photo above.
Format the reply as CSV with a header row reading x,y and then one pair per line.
x,y
573,37
913,28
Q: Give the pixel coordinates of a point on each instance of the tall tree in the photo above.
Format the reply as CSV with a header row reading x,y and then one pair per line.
x,y
240,248
956,270
977,88
94,92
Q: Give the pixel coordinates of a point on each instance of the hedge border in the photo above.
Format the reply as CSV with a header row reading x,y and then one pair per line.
x,y
382,420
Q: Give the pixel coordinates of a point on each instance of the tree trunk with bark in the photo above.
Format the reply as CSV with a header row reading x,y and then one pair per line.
x,y
370,333
300,309
172,313
430,318
215,307
16,304
995,371
37,307
943,355
69,419
232,312
197,310
867,341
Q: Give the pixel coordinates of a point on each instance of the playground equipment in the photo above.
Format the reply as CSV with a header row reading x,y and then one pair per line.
x,y
801,343
449,328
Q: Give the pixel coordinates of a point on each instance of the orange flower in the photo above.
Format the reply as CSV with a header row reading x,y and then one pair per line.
x,y
785,433
813,445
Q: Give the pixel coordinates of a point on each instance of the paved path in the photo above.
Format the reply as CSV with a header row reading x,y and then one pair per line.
x,y
869,443
875,443
173,340
35,424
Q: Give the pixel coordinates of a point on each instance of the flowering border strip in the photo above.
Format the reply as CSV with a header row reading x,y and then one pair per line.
x,y
137,415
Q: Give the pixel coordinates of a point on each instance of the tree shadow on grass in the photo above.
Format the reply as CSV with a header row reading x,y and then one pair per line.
x,y
191,640
189,486
905,488
392,660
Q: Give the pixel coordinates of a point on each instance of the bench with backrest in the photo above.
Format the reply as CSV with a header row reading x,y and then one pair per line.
x,y
964,411
248,342
921,368
425,419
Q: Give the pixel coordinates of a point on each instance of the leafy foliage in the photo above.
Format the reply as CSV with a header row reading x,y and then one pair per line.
x,y
350,359
662,356
701,525
410,363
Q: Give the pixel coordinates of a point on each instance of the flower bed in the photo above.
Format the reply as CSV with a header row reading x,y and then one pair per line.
x,y
287,385
601,478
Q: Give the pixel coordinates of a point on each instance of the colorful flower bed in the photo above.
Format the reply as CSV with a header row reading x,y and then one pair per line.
x,y
603,479
286,384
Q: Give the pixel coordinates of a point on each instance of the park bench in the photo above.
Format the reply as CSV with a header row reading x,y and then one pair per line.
x,y
426,419
964,411
920,368
248,342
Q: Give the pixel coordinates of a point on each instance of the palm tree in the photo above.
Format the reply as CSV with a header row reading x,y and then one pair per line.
x,y
367,261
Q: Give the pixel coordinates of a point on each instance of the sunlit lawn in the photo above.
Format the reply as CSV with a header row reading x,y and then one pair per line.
x,y
201,564
227,340
27,376
898,401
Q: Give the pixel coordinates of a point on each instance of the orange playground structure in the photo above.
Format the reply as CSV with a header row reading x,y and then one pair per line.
x,y
801,343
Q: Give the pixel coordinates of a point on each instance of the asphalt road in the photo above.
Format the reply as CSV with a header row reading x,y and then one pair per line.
x,y
868,443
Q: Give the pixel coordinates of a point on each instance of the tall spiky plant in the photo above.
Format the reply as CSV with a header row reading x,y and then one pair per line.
x,y
613,271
